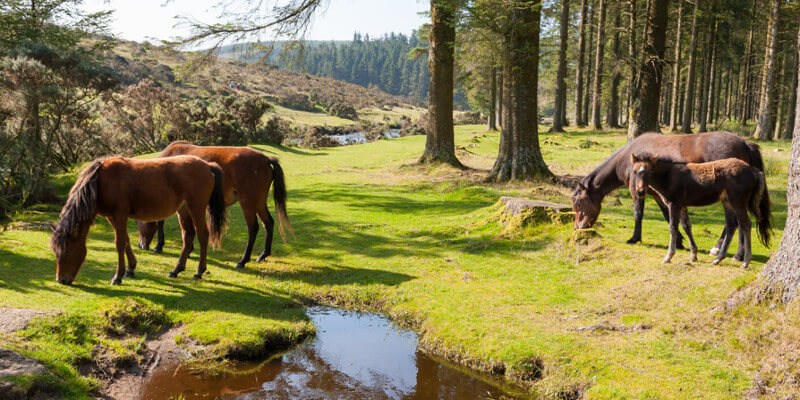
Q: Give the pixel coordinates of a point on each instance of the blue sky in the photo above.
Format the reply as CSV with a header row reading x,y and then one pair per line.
x,y
151,20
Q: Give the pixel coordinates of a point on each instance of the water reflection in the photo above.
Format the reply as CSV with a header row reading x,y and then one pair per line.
x,y
353,356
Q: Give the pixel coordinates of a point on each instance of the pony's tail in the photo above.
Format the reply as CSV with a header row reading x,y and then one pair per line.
x,y
754,152
279,194
216,207
760,206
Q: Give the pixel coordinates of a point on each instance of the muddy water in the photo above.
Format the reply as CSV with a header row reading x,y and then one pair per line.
x,y
353,356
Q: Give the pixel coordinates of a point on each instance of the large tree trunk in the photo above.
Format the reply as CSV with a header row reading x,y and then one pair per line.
x,y
688,103
708,87
579,116
766,113
644,113
500,96
492,112
632,57
612,119
440,141
520,157
782,271
596,122
561,74
676,73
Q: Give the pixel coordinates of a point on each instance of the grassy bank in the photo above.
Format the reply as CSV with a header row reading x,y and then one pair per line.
x,y
374,231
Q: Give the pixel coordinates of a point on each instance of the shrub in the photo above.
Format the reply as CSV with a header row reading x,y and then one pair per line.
x,y
469,118
297,101
343,110
274,131
316,137
133,315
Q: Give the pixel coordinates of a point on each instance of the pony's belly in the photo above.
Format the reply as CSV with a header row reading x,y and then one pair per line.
x,y
155,211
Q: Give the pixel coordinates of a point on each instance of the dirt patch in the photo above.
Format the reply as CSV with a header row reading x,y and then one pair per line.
x,y
14,364
124,379
15,319
607,327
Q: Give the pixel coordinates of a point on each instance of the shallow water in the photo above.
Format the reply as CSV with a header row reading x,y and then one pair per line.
x,y
361,137
353,356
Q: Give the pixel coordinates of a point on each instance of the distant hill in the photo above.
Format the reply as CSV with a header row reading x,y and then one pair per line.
x,y
381,62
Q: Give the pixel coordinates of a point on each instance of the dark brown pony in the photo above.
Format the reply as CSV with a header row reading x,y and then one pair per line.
x,y
248,176
148,190
614,172
732,181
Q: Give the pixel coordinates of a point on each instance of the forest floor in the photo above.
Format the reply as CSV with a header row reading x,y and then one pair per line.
x,y
374,231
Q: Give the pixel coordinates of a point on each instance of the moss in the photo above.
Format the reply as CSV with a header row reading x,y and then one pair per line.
x,y
583,236
133,315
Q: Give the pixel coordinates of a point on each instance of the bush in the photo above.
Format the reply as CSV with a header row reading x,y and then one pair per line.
x,y
469,118
297,101
343,110
316,137
274,131
133,315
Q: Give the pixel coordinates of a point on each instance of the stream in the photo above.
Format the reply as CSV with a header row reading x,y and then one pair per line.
x,y
353,356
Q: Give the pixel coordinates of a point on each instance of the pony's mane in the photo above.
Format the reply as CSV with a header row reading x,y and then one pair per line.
x,y
80,208
589,179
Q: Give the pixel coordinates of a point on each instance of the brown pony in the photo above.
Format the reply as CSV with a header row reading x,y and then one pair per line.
x,y
248,176
120,188
614,172
680,185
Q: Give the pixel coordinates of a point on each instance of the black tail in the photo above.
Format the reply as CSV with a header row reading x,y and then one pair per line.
x,y
279,194
760,206
216,207
755,156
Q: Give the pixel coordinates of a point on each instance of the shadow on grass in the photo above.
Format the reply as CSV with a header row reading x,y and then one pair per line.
x,y
268,148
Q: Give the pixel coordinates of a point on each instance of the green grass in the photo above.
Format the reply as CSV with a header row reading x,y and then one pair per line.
x,y
375,232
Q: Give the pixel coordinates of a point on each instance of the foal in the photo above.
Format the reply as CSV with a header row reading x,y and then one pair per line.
x,y
732,181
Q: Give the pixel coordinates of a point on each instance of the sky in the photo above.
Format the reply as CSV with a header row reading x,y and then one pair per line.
x,y
151,20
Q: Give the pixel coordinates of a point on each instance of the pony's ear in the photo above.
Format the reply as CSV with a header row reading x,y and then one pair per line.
x,y
52,226
634,159
581,186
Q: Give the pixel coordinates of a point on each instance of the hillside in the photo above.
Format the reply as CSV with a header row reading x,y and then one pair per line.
x,y
135,61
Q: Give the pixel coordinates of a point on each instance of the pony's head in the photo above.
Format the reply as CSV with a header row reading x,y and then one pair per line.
x,y
585,205
147,230
640,174
69,235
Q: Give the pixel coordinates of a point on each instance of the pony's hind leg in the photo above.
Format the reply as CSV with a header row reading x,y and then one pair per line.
x,y
729,228
252,231
160,235
121,240
687,227
198,215
744,228
131,262
187,234
730,221
269,226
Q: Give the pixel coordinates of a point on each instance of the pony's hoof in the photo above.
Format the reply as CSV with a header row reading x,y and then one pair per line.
x,y
240,266
714,251
197,277
262,257
665,261
116,281
693,258
716,261
173,274
130,274
738,258
745,264
142,247
633,241
157,250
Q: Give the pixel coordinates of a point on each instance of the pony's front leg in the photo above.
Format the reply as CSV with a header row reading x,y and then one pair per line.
x,y
744,228
687,227
674,216
638,211
665,212
187,234
730,228
121,241
198,217
160,237
730,221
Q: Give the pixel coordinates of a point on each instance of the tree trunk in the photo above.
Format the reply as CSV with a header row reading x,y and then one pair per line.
x,y
644,113
440,141
766,113
579,116
596,122
520,157
587,96
561,74
788,130
707,105
688,103
746,77
782,271
500,97
492,117
676,72
632,56
612,119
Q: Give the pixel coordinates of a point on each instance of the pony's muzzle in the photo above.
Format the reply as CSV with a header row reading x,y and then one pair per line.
x,y
64,281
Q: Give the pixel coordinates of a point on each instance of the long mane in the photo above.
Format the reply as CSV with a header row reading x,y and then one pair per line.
x,y
589,179
80,208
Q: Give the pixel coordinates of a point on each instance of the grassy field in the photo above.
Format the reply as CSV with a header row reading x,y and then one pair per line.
x,y
376,232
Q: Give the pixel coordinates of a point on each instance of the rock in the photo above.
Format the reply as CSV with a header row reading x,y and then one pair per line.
x,y
14,319
556,213
14,364
583,236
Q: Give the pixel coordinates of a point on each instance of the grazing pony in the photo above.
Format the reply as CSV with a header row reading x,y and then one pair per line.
x,y
248,176
120,188
614,172
732,181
